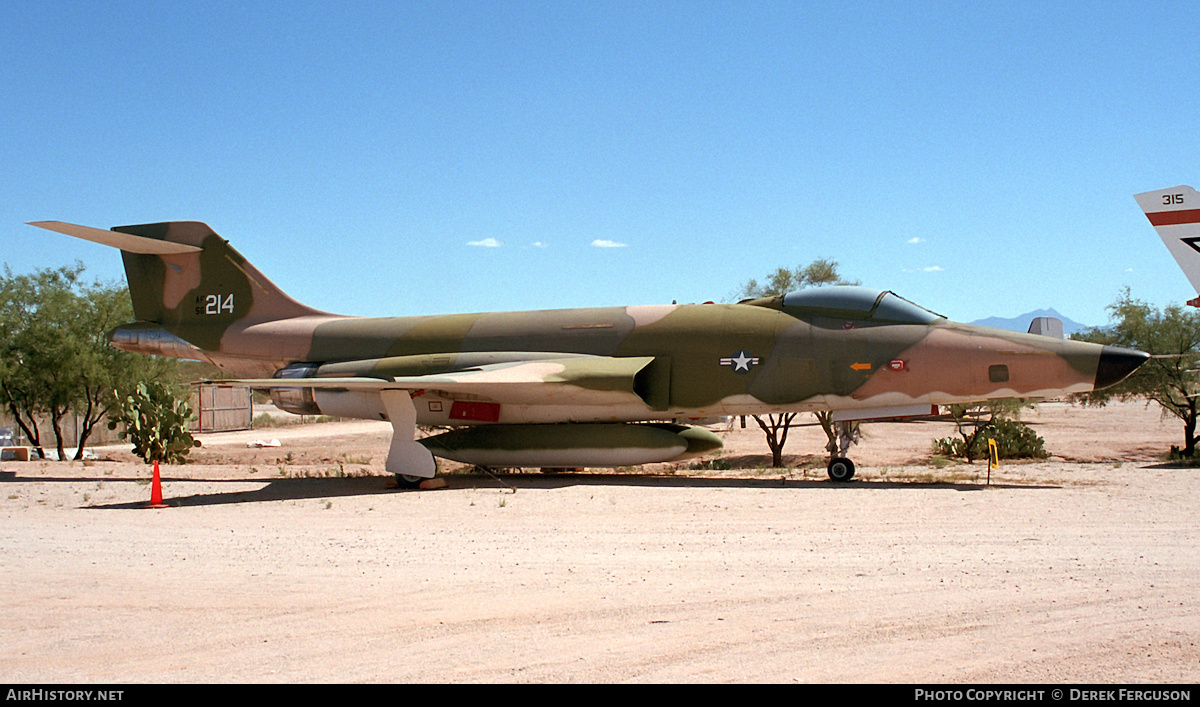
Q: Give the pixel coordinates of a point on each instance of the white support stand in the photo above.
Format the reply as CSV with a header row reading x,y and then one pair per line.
x,y
407,457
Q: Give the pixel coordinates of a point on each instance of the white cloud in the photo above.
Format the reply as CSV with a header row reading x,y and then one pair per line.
x,y
934,268
538,244
486,243
602,243
914,240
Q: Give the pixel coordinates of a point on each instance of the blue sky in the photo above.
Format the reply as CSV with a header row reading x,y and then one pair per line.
x,y
429,157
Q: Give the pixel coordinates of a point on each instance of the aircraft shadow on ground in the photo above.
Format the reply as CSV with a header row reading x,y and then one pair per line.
x,y
1177,465
274,490
317,488
555,481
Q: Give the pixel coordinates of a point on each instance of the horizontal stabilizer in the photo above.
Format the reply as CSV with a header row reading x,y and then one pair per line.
x,y
125,241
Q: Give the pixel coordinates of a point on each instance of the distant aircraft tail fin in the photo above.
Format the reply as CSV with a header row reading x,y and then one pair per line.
x,y
187,279
1175,215
1047,326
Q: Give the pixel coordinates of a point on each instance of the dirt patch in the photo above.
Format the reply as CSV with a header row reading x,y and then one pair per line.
x,y
297,563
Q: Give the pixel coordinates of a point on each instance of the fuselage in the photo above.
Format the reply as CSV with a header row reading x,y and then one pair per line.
x,y
711,359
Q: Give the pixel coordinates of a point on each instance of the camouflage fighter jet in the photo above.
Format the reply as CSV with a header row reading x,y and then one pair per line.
x,y
1175,215
604,386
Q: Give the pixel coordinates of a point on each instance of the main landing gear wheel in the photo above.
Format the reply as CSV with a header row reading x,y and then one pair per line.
x,y
840,469
409,483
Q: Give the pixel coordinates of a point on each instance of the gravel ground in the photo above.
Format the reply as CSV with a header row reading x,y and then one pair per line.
x,y
296,563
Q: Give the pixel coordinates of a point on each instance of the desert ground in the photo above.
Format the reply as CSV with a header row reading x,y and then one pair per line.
x,y
297,563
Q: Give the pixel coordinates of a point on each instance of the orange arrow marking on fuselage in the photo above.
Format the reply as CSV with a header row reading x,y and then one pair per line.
x,y
861,366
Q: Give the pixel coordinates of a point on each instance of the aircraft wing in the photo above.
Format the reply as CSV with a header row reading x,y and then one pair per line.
x,y
590,380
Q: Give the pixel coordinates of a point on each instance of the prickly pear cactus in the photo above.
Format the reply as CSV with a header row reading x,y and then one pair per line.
x,y
156,422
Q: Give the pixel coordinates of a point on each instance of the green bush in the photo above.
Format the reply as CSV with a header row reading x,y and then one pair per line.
x,y
1014,440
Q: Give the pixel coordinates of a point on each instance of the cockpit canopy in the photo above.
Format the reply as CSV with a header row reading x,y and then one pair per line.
x,y
855,303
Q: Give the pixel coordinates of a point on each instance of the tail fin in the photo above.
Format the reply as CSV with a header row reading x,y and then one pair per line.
x,y
1175,215
1047,326
187,279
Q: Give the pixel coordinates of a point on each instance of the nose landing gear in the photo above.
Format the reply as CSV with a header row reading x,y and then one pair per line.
x,y
840,469
843,434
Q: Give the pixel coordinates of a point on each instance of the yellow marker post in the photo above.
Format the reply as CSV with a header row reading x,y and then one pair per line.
x,y
993,459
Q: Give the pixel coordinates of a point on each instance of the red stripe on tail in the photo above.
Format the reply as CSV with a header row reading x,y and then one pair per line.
x,y
1174,218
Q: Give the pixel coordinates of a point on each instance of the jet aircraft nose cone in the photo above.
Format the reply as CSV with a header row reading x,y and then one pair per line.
x,y
1116,363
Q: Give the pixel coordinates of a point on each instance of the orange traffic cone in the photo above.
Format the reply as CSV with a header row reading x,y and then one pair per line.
x,y
156,491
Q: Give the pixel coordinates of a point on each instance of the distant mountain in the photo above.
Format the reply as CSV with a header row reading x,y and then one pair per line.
x,y
1021,322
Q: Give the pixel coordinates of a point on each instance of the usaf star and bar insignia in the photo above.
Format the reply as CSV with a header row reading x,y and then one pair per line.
x,y
741,362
